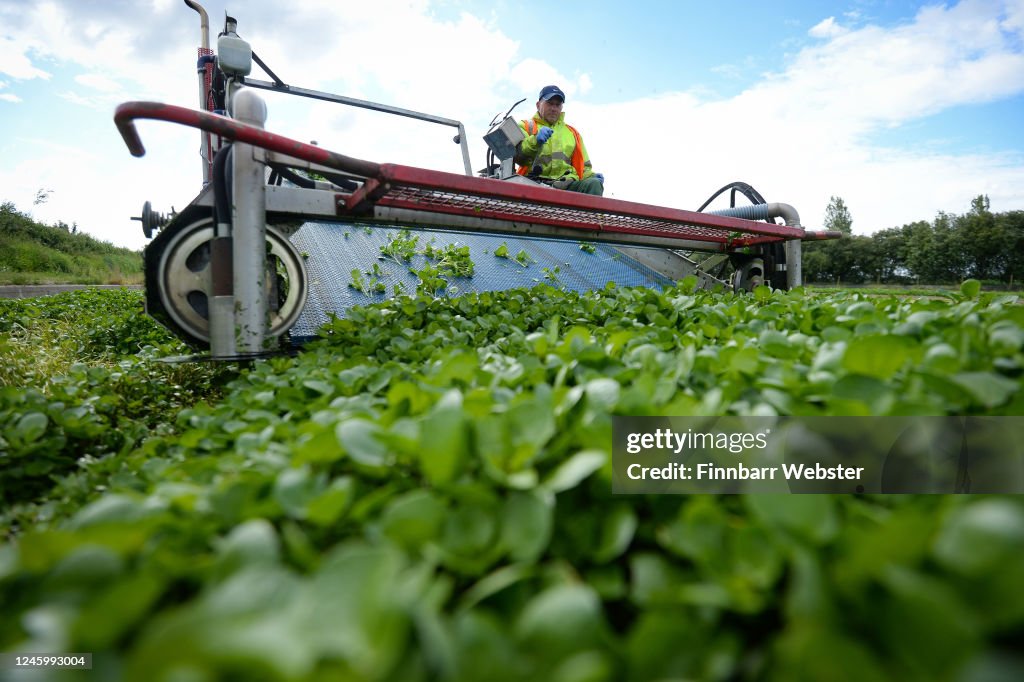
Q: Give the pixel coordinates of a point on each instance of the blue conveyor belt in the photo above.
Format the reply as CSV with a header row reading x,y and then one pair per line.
x,y
333,250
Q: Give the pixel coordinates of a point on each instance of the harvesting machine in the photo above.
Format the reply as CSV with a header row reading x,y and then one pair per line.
x,y
263,254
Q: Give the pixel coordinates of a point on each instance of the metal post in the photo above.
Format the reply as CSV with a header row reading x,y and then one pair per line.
x,y
222,300
204,73
461,139
794,266
222,295
206,140
507,169
249,233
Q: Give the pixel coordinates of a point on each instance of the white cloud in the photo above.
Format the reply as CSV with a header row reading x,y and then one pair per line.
x,y
738,70
96,81
1014,18
530,75
728,71
8,97
15,62
827,28
584,84
875,75
83,100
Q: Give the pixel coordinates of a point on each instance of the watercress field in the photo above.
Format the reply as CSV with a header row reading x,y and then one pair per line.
x,y
423,493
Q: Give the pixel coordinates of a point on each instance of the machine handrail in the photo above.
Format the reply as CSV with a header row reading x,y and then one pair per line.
x,y
460,137
126,114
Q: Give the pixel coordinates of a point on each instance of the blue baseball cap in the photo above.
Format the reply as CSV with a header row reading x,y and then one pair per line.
x,y
549,91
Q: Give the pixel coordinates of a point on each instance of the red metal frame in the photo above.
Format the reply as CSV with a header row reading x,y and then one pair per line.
x,y
440,192
125,115
406,187
208,105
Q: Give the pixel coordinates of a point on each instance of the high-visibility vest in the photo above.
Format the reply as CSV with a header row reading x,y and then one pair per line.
x,y
577,154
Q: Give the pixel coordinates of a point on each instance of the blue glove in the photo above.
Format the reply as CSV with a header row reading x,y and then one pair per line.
x,y
599,176
544,134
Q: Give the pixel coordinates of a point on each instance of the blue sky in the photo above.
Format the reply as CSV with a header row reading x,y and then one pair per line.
x,y
904,109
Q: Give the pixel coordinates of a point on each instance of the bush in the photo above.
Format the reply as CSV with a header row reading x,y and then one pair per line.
x,y
31,252
80,379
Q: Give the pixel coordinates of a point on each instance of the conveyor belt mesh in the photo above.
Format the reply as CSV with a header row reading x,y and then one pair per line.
x,y
333,250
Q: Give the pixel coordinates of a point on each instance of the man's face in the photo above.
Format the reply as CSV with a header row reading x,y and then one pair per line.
x,y
550,109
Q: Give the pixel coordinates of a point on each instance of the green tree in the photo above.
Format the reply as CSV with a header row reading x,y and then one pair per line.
x,y
980,204
980,244
985,241
816,262
837,261
886,259
1012,225
933,254
837,216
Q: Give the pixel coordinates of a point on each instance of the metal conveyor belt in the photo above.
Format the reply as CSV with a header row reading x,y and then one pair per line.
x,y
335,249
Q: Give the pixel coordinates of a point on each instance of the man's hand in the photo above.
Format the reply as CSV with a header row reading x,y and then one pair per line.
x,y
544,134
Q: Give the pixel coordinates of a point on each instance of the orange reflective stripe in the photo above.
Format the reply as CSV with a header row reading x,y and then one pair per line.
x,y
531,129
577,154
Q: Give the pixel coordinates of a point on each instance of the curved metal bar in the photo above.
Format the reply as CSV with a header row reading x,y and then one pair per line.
x,y
204,23
126,114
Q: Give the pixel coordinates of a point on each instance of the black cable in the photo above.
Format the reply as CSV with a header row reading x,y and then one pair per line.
x,y
495,121
749,192
221,201
340,180
293,177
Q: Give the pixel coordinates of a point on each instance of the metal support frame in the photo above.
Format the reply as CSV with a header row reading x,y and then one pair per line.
x,y
460,137
676,265
249,232
794,264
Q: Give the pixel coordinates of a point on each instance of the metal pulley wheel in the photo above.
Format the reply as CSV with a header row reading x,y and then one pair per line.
x,y
767,267
178,268
151,220
749,275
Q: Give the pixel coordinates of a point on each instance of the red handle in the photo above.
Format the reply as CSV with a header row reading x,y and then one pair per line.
x,y
125,115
